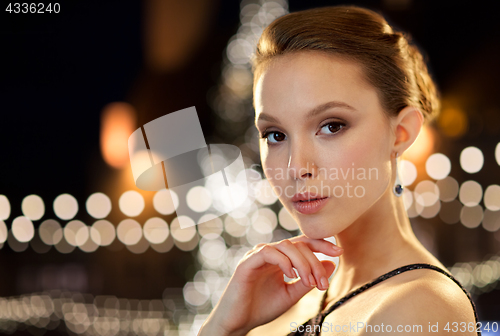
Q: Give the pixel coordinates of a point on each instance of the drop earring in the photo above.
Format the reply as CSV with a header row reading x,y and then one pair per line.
x,y
398,186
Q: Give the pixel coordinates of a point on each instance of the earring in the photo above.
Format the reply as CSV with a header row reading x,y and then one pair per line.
x,y
398,186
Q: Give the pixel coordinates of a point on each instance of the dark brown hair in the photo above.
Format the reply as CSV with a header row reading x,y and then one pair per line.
x,y
390,63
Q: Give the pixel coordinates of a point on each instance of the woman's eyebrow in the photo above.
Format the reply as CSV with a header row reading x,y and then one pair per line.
x,y
312,113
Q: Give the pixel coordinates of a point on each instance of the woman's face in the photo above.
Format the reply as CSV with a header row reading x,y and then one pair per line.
x,y
323,131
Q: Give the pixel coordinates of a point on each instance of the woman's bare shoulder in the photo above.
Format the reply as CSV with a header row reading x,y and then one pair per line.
x,y
425,298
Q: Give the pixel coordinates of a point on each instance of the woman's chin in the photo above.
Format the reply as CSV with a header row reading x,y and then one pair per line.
x,y
315,233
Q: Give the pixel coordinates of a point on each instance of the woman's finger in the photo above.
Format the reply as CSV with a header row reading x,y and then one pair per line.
x,y
267,254
297,289
317,268
298,260
319,245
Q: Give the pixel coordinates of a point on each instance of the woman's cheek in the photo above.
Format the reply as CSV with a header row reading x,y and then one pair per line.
x,y
372,172
377,182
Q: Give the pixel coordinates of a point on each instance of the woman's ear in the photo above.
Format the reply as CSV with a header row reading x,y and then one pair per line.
x,y
406,127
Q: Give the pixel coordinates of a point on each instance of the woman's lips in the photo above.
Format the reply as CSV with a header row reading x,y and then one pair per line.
x,y
310,207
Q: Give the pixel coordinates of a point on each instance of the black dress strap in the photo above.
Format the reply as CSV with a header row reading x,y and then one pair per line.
x,y
317,321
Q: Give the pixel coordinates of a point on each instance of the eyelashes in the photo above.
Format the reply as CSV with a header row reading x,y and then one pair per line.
x,y
342,125
336,125
266,134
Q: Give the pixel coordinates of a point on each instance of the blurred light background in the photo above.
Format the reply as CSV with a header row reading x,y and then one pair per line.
x,y
85,252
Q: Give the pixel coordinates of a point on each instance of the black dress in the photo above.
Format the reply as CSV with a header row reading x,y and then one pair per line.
x,y
313,326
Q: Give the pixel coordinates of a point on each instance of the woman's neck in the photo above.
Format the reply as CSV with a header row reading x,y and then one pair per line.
x,y
379,241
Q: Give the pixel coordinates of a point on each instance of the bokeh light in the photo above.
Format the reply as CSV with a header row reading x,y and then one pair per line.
x,y
248,206
23,229
213,249
407,172
228,198
131,203
472,216
196,295
492,197
64,247
156,230
239,51
470,193
15,244
50,232
65,206
98,205
102,233
76,233
165,246
4,207
4,232
426,193
431,211
236,227
117,123
255,237
471,159
165,201
415,208
264,221
497,153
89,246
448,189
286,220
189,245
210,226
407,198
264,192
491,220
129,232
438,166
140,247
185,234
199,199
33,207
453,122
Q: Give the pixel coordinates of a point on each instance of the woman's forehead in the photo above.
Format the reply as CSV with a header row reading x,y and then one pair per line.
x,y
308,79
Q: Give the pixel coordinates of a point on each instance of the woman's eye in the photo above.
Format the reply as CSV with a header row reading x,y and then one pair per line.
x,y
333,127
276,136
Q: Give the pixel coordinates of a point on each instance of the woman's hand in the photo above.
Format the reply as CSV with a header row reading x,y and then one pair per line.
x,y
257,292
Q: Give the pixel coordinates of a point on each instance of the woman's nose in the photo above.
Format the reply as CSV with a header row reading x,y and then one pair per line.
x,y
301,163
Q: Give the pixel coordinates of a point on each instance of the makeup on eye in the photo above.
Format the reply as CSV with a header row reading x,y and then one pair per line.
x,y
334,123
266,134
338,125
